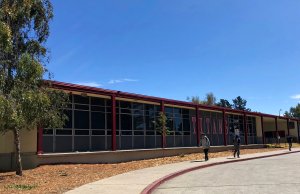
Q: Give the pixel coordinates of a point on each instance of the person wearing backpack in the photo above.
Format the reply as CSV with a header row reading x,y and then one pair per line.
x,y
237,143
205,145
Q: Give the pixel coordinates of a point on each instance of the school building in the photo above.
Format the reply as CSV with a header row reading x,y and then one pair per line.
x,y
113,126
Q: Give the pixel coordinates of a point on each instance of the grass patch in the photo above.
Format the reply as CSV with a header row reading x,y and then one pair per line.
x,y
21,187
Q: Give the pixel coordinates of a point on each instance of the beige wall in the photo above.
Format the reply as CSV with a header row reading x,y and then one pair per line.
x,y
258,127
28,142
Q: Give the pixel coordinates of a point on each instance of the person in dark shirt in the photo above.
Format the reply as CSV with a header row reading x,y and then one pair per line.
x,y
289,139
236,143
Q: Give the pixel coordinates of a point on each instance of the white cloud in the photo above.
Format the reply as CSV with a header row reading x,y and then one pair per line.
x,y
92,84
115,81
297,97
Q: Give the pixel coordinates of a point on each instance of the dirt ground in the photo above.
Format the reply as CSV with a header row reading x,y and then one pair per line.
x,y
61,178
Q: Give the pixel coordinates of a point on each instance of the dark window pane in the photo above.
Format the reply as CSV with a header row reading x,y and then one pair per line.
x,y
81,107
108,109
126,122
149,123
81,119
108,103
150,133
138,106
149,107
98,120
68,122
109,121
169,111
186,133
48,131
63,132
109,132
177,124
126,132
81,99
97,101
177,111
138,112
81,132
98,132
185,111
98,108
186,125
138,122
125,104
139,133
126,111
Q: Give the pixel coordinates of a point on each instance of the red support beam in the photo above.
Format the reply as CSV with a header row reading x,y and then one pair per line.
x,y
245,129
276,125
163,136
262,129
224,128
40,141
114,122
288,127
298,131
197,126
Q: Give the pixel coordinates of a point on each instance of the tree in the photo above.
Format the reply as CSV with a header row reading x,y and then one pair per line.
x,y
161,126
224,103
294,112
240,104
26,100
210,99
195,99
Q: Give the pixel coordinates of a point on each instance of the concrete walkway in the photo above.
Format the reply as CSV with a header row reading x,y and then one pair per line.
x,y
279,174
135,182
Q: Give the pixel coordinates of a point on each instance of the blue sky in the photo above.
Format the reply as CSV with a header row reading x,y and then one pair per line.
x,y
175,48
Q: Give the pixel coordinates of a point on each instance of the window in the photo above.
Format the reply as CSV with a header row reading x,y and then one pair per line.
x,y
81,119
97,120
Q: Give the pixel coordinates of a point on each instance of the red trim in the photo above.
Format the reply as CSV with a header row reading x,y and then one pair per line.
x,y
163,136
262,129
276,125
298,131
224,129
40,141
288,127
246,129
87,89
197,126
114,119
150,188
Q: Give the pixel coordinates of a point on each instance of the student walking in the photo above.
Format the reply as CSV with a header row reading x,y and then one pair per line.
x,y
236,143
289,139
205,145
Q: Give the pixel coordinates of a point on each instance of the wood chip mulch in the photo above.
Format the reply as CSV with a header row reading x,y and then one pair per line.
x,y
61,178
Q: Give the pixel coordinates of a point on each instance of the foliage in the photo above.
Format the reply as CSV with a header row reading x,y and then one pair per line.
x,y
240,104
195,100
161,124
294,112
21,187
224,103
25,98
210,99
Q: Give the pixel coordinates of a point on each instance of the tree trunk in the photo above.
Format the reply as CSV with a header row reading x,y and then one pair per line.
x,y
18,152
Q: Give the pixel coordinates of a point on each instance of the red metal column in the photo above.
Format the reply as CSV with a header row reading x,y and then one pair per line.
x,y
163,137
197,126
276,125
224,129
245,129
288,127
40,141
262,129
114,122
298,131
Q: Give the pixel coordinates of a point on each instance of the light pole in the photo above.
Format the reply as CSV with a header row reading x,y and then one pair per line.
x,y
280,111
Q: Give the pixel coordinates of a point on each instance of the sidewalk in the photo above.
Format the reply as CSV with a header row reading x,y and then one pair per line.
x,y
135,182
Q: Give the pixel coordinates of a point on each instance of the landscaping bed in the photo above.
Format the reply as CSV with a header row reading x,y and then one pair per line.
x,y
64,177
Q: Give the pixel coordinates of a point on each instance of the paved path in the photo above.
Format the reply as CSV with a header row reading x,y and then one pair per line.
x,y
279,174
135,181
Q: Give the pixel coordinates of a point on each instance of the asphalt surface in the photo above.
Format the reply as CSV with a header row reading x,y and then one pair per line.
x,y
279,174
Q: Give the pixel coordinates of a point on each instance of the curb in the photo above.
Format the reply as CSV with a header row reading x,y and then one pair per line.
x,y
150,188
